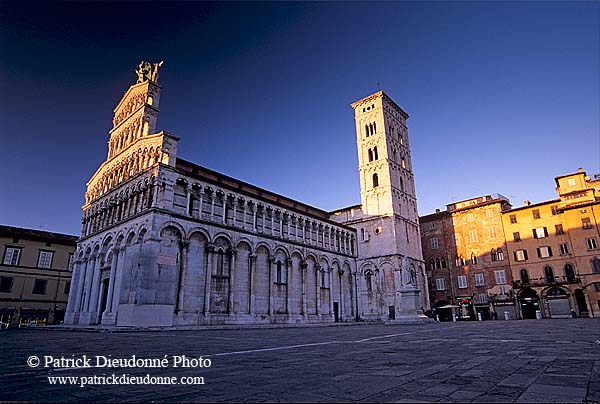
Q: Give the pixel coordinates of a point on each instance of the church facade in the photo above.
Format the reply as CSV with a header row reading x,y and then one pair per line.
x,y
166,242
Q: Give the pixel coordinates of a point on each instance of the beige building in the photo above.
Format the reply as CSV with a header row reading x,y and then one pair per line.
x,y
554,250
167,242
35,276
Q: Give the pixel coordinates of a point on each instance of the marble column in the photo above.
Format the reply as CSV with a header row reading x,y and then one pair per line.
x,y
111,279
207,278
231,282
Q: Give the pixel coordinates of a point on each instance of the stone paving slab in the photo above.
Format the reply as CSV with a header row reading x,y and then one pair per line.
x,y
490,361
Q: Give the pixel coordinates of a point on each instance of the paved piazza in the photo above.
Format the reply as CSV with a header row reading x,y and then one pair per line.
x,y
493,361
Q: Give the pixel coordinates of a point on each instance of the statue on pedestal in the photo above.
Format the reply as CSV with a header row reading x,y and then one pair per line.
x,y
408,275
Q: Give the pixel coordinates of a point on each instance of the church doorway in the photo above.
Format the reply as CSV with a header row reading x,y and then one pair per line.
x,y
529,303
336,312
443,314
104,294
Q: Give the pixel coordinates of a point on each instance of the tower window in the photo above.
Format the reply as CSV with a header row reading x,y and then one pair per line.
x,y
375,155
367,130
375,180
403,163
370,155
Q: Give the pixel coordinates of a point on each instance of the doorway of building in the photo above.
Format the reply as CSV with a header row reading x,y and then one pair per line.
x,y
392,312
529,302
581,304
336,312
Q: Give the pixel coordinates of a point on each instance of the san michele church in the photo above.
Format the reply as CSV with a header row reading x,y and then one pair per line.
x,y
166,242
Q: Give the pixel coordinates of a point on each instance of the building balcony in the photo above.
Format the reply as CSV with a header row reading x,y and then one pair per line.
x,y
556,281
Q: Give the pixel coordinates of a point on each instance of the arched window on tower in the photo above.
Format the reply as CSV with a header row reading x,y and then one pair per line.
x,y
375,155
368,281
150,99
374,127
220,262
403,162
370,129
278,276
370,155
401,184
375,180
367,130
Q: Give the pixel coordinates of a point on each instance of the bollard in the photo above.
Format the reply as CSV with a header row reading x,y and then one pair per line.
x,y
506,315
538,315
479,317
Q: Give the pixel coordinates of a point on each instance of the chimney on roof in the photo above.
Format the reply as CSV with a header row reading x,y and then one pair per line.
x,y
580,170
527,202
437,211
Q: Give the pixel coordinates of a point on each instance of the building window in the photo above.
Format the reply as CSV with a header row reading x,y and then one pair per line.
x,y
39,287
434,243
375,154
278,275
492,231
462,281
473,236
6,284
536,213
521,255
597,288
524,276
67,287
564,248
571,182
470,217
479,279
368,281
549,274
592,244
70,263
494,255
500,277
375,180
559,229
12,255
432,264
370,153
513,219
517,236
587,224
220,270
554,210
440,284
443,263
489,212
544,252
540,232
45,259
457,238
473,259
596,265
324,279
403,162
569,273
364,236
500,254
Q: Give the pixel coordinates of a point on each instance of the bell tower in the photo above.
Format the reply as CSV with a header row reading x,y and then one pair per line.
x,y
384,162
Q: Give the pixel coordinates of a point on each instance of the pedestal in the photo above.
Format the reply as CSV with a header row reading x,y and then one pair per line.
x,y
408,308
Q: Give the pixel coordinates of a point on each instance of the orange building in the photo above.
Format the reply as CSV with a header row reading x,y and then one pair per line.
x,y
467,262
554,251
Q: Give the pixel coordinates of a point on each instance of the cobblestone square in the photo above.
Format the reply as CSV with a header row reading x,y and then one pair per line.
x,y
490,361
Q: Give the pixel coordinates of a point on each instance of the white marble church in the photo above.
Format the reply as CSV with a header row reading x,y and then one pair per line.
x,y
166,242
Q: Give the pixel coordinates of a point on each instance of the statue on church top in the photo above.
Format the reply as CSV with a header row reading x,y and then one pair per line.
x,y
146,72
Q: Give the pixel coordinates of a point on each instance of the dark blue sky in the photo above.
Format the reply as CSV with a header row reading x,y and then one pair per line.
x,y
502,97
